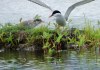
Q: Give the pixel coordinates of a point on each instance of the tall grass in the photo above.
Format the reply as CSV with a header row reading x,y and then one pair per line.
x,y
50,41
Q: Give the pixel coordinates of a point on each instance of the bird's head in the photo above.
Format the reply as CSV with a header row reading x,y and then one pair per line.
x,y
55,13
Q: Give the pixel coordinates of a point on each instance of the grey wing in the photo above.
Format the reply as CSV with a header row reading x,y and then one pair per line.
x,y
70,9
41,4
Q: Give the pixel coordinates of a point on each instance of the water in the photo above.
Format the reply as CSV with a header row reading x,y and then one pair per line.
x,y
30,61
13,10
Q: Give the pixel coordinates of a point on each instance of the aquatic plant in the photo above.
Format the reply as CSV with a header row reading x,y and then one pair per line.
x,y
51,41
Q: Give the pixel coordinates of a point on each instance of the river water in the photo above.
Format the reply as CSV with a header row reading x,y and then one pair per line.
x,y
13,10
67,61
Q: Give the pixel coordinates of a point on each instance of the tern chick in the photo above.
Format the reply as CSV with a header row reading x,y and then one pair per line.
x,y
31,23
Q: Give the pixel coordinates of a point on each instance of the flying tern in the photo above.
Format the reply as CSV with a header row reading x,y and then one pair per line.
x,y
60,19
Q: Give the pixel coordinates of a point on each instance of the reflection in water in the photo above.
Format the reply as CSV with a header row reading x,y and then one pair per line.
x,y
67,61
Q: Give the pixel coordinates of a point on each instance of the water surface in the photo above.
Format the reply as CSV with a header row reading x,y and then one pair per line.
x,y
13,10
67,61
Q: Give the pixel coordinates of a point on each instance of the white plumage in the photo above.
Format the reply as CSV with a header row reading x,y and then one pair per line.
x,y
60,19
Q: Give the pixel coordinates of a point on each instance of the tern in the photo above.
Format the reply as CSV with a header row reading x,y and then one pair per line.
x,y
31,23
60,19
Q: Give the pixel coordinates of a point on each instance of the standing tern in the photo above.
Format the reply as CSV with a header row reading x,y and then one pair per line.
x,y
60,19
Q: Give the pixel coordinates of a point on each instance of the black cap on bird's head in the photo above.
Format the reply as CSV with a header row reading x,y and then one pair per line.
x,y
54,12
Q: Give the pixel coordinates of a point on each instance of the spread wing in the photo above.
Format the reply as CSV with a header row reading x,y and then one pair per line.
x,y
70,9
41,4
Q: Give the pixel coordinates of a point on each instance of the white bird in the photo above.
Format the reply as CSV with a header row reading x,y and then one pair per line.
x,y
60,19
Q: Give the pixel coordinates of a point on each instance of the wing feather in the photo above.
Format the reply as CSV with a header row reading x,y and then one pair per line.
x,y
41,4
70,9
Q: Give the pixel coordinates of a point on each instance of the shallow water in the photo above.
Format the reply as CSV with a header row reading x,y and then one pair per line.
x,y
67,61
13,10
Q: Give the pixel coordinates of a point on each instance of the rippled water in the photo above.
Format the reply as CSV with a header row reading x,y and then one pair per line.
x,y
67,61
13,10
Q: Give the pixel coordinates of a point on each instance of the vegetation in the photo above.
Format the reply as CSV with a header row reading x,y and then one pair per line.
x,y
19,37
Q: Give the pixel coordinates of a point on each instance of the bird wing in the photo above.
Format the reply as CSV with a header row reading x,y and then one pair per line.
x,y
70,9
41,4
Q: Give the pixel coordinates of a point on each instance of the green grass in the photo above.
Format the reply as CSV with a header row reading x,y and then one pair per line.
x,y
50,41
